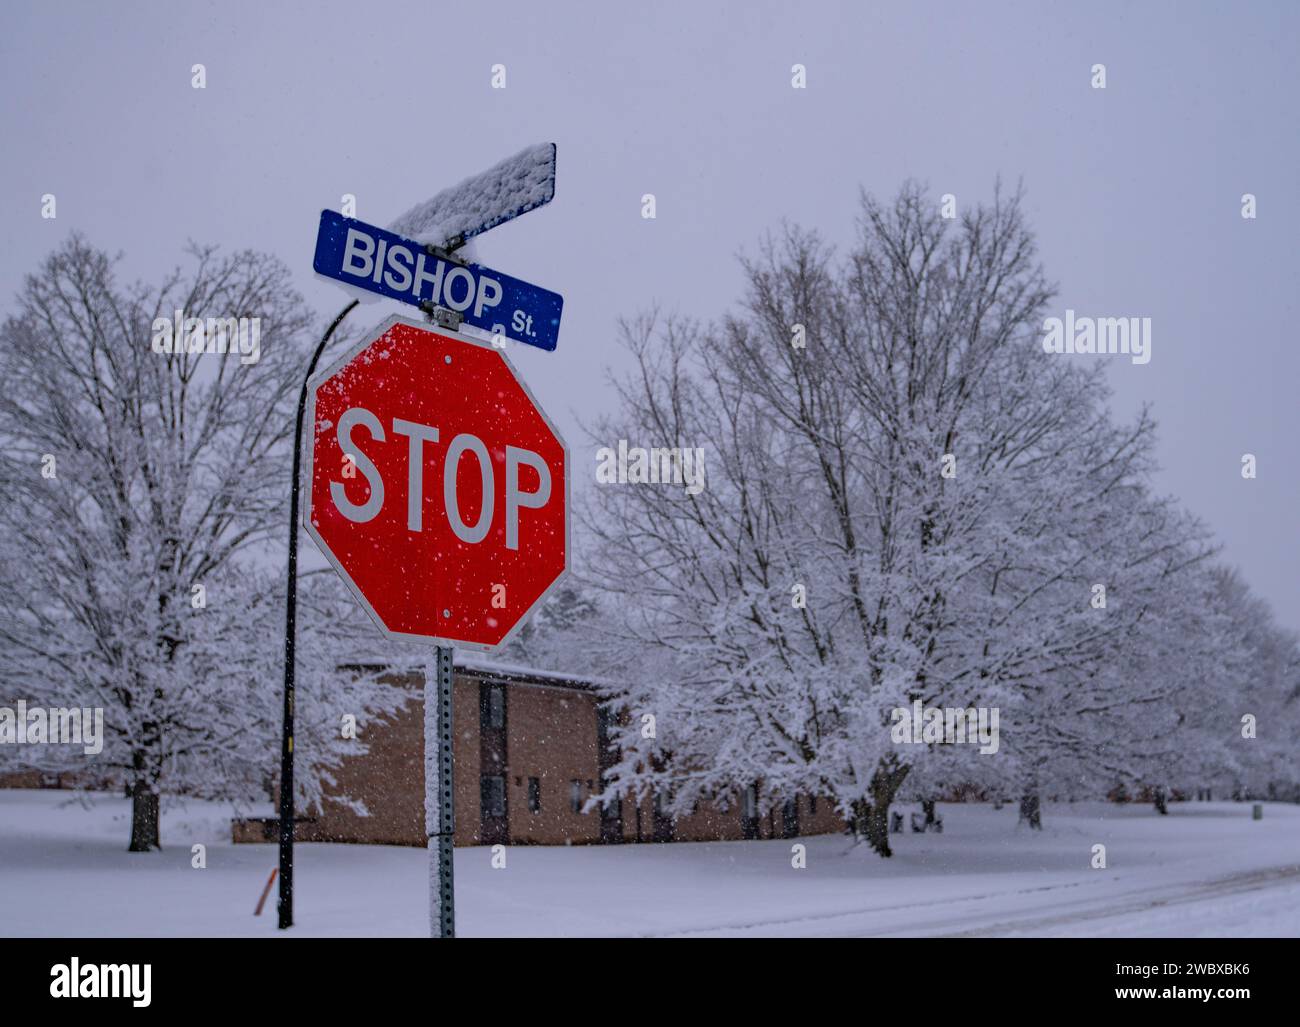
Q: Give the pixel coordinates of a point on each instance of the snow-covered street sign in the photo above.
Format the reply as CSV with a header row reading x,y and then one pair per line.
x,y
426,276
437,487
463,558
515,186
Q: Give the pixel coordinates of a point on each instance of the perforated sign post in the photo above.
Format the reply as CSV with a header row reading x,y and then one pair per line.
x,y
438,489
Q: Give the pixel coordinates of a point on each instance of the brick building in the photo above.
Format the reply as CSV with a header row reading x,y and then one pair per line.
x,y
530,750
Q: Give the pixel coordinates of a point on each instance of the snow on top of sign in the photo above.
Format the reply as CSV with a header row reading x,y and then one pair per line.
x,y
485,200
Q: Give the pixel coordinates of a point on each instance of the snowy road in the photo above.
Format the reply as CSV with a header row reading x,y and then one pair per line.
x,y
1205,870
1234,905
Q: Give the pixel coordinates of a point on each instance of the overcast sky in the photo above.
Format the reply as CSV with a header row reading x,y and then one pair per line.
x,y
1134,190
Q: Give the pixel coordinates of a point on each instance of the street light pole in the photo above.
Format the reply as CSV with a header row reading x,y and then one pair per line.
x,y
290,636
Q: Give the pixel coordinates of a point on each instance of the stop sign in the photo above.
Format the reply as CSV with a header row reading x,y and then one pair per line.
x,y
437,487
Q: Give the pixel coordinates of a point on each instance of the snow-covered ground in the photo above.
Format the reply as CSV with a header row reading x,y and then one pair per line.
x,y
1206,869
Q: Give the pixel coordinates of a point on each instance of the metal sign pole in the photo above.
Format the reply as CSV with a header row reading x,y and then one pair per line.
x,y
439,794
519,184
438,774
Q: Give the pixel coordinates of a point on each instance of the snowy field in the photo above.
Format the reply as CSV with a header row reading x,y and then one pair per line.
x,y
1206,869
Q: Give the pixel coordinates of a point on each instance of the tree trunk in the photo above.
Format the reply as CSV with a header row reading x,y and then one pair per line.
x,y
144,818
1031,812
146,774
871,825
871,815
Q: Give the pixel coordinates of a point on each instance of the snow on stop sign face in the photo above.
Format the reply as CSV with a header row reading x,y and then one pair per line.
x,y
436,486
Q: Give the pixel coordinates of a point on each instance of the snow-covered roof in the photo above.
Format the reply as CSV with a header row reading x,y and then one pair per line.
x,y
484,665
518,184
476,664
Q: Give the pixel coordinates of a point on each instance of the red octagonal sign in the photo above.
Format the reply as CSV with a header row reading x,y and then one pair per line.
x,y
438,487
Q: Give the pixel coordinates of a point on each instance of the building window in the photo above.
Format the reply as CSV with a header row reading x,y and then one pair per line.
x,y
604,728
492,794
575,796
534,795
494,709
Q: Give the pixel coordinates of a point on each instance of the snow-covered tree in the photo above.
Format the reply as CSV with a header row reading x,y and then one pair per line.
x,y
1246,712
906,499
141,480
556,634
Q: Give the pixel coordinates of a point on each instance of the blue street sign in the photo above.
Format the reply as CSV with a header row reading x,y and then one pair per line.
x,y
379,261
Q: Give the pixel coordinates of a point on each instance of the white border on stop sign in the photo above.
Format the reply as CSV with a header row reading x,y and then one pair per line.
x,y
320,377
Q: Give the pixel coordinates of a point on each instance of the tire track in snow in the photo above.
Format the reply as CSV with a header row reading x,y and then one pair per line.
x,y
1142,898
1236,884
748,925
